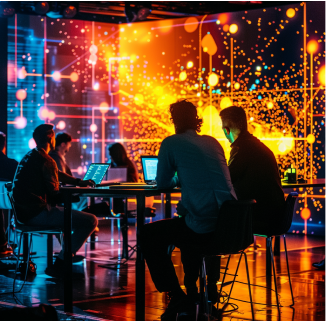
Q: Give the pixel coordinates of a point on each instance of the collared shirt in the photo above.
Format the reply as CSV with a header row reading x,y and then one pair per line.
x,y
35,184
8,167
202,173
254,173
61,162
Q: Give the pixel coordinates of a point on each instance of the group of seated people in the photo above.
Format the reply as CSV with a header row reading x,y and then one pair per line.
x,y
205,177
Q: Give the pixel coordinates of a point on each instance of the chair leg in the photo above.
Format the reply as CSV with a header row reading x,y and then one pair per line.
x,y
205,286
112,231
28,255
274,274
19,239
248,278
85,248
287,264
119,232
235,275
226,268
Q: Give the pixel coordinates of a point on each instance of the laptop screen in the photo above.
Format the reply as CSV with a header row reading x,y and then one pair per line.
x,y
149,164
96,172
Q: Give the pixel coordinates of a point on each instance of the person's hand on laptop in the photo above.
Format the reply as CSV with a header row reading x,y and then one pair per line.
x,y
86,183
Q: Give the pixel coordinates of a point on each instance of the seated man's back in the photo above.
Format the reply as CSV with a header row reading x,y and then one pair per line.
x,y
35,181
203,175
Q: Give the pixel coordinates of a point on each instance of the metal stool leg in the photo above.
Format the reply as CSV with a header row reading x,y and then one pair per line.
x,y
17,264
235,275
226,268
112,231
273,265
119,232
205,287
247,270
287,264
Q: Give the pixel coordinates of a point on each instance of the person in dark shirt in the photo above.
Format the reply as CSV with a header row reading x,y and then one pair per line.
x,y
8,168
36,191
254,171
62,146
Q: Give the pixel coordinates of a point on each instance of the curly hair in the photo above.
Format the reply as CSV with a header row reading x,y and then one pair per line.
x,y
184,116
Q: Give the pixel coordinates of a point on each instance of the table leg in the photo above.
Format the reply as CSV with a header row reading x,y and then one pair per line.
x,y
67,299
268,258
140,263
92,238
167,205
277,246
49,250
124,230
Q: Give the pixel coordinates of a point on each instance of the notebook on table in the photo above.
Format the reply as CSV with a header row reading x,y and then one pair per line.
x,y
149,166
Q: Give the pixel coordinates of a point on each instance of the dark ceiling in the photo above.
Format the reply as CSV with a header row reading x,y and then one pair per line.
x,y
114,11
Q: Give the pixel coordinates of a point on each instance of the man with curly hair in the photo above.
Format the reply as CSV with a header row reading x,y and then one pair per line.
x,y
203,174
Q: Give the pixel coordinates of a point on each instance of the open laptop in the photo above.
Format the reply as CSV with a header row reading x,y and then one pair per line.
x,y
96,172
149,165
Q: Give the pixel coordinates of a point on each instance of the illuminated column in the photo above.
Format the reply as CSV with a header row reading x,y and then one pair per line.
x,y
312,47
233,29
304,86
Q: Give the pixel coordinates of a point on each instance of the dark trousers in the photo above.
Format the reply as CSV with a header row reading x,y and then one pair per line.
x,y
155,240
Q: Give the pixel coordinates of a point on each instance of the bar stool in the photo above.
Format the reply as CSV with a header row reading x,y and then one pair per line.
x,y
233,235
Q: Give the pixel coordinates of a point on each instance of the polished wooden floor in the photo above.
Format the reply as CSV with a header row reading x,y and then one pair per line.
x,y
109,294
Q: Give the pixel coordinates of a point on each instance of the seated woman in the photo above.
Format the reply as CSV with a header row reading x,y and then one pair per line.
x,y
119,158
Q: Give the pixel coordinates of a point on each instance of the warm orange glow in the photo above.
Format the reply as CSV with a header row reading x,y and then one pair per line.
x,y
225,102
21,94
209,42
183,76
104,107
321,75
310,138
305,213
56,76
290,13
223,18
270,105
93,128
236,86
312,46
74,76
212,79
226,28
191,24
139,99
233,28
190,64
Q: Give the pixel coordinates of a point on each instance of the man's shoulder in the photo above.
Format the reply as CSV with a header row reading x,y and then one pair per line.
x,y
5,158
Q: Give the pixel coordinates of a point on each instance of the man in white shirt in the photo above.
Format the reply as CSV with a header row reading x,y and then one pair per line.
x,y
203,174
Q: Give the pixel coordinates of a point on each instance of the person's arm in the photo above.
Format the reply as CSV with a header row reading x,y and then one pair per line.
x,y
50,179
166,168
67,179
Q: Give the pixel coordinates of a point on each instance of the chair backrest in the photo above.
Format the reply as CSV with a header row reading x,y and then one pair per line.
x,y
234,226
288,213
4,199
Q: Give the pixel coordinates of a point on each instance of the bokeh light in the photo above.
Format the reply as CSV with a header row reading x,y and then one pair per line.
x,y
191,24
182,76
312,46
56,76
20,122
225,102
22,73
51,115
290,13
31,143
321,75
310,138
213,79
226,28
190,64
61,125
80,170
74,76
209,43
270,105
104,107
236,86
92,59
305,213
93,128
21,94
233,28
93,49
96,86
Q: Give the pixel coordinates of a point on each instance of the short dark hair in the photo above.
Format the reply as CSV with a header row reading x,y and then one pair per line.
x,y
184,116
43,133
2,140
118,153
234,117
62,138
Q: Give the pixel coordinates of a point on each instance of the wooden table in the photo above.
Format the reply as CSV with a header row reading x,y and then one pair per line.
x,y
140,195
